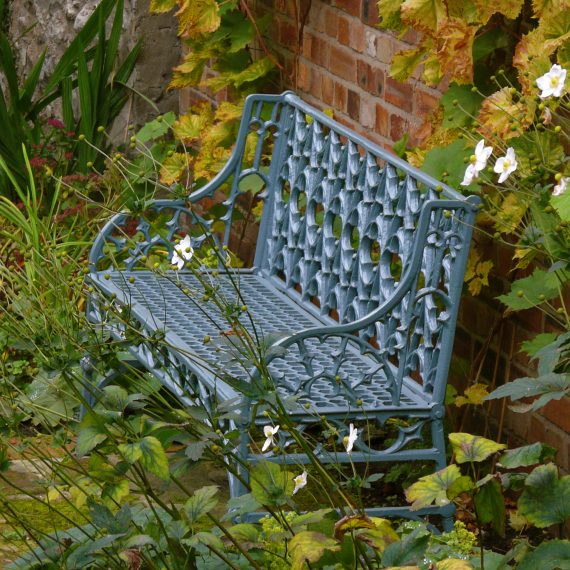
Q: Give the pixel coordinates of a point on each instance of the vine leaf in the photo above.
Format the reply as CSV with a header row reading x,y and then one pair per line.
x,y
546,498
469,448
509,8
310,546
173,167
390,11
531,291
432,488
474,395
458,103
425,15
197,17
405,62
455,49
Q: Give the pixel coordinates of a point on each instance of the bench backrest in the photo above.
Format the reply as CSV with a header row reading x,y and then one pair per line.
x,y
339,230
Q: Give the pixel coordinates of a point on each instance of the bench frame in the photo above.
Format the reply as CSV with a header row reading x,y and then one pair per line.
x,y
431,223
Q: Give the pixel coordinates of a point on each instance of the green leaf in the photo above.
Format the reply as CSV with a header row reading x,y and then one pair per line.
x,y
531,347
550,555
532,290
405,62
469,448
490,505
201,503
549,386
526,455
447,159
158,6
462,485
309,546
453,564
432,488
153,457
488,42
546,498
157,128
458,103
89,438
561,204
271,484
410,550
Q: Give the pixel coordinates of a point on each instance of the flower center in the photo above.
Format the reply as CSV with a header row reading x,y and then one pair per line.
x,y
554,81
506,164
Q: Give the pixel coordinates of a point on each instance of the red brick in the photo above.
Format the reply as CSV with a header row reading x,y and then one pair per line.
x,y
398,126
363,73
331,23
342,64
558,412
385,48
399,94
352,7
357,36
327,89
316,79
425,102
340,96
304,77
382,120
536,431
343,31
287,35
285,7
319,51
553,437
353,105
370,14
367,112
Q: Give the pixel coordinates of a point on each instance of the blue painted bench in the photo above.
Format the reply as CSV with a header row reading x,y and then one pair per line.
x,y
356,283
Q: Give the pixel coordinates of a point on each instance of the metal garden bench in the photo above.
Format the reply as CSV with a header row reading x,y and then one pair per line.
x,y
359,267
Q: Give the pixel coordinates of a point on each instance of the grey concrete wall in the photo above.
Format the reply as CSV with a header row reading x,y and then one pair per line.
x,y
35,25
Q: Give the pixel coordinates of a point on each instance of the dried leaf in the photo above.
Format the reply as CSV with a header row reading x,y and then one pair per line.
x,y
455,49
197,17
509,8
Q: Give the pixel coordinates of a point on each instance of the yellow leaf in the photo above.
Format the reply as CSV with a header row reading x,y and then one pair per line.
x,y
473,448
173,167
531,60
390,12
191,126
509,8
541,7
499,113
473,395
54,494
229,111
189,72
453,564
477,272
405,62
432,74
512,212
425,15
455,49
159,6
197,17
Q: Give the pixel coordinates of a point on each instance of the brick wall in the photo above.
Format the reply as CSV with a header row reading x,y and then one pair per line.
x,y
343,64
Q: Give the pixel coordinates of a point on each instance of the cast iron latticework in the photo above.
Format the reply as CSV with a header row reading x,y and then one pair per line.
x,y
355,285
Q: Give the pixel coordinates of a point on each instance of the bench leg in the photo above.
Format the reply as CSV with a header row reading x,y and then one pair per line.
x,y
438,438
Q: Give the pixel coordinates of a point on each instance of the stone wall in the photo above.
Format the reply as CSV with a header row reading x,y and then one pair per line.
x,y
54,24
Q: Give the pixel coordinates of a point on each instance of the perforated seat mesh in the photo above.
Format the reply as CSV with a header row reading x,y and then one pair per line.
x,y
273,313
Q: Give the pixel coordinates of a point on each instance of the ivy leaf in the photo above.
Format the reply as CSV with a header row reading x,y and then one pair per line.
x,y
270,484
474,395
531,291
469,448
526,455
89,438
424,15
490,505
550,555
509,8
201,503
197,17
160,6
173,167
432,488
153,457
549,387
467,103
310,546
546,498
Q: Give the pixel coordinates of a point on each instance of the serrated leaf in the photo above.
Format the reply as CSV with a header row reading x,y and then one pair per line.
x,y
189,127
561,204
380,536
201,503
173,167
425,15
509,8
156,128
447,159
432,488
309,546
549,386
469,448
454,41
405,62
153,457
89,438
546,498
390,14
550,555
526,455
195,450
197,17
467,103
531,291
531,347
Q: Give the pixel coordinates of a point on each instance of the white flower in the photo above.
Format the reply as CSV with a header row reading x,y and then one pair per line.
x,y
300,481
506,165
478,162
350,438
269,432
552,83
560,188
470,175
183,252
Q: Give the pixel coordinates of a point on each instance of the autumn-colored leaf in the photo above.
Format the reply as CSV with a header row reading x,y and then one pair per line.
x,y
197,17
159,6
509,8
173,167
473,395
473,448
425,15
390,11
541,7
432,488
500,113
310,546
477,273
405,62
190,126
455,49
